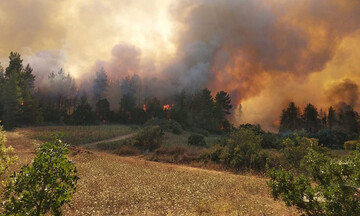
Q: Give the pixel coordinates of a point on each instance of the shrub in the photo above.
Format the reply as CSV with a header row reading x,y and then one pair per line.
x,y
45,185
242,150
352,144
166,125
294,150
149,139
336,190
5,154
196,140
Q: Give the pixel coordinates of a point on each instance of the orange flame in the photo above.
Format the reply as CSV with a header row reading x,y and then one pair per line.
x,y
166,107
144,107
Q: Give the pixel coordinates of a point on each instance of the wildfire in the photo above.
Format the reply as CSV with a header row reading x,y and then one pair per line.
x,y
144,107
222,127
166,107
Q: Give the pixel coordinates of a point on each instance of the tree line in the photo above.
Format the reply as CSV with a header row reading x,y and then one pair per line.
x,y
332,127
61,100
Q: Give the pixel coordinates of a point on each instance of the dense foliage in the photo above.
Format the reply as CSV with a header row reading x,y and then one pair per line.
x,y
45,185
332,128
196,140
336,191
6,158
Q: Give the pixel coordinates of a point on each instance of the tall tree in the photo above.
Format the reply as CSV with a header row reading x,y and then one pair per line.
x,y
12,100
100,85
2,83
290,118
29,78
331,118
103,109
311,119
222,104
15,64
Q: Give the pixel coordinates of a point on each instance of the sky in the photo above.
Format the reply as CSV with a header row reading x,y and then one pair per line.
x,y
265,53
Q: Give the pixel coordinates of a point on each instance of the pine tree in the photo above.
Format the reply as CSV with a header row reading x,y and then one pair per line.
x,y
331,118
290,118
311,119
2,83
12,100
100,85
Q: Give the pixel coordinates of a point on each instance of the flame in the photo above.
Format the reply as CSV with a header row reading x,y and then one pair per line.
x,y
222,128
144,107
166,107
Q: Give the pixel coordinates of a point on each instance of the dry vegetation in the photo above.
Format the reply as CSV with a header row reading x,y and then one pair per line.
x,y
113,185
77,135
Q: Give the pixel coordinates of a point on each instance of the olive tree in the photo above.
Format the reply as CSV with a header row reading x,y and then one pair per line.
x,y
43,186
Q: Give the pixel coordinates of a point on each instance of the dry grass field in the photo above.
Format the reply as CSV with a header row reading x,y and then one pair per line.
x,y
114,185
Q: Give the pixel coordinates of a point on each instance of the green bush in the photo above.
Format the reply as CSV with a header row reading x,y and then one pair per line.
x,y
332,187
166,125
5,154
45,185
149,139
352,144
294,150
196,140
242,150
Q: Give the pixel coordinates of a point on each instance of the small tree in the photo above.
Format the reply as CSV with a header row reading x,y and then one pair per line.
x,y
45,185
336,191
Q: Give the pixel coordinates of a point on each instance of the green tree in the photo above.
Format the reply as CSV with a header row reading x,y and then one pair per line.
x,y
243,150
222,108
100,85
331,118
103,109
2,83
83,114
331,187
12,101
45,185
154,109
290,118
310,119
223,104
15,64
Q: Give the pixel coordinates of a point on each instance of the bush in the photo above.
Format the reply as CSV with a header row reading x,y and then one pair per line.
x,y
149,139
352,144
336,190
242,150
45,185
5,154
196,140
166,125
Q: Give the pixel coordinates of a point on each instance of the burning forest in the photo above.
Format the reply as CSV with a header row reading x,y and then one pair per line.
x,y
265,54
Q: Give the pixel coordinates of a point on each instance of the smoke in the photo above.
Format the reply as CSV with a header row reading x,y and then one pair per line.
x,y
346,92
265,53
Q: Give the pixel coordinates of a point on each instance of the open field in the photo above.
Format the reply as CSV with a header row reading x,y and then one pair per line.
x,y
113,185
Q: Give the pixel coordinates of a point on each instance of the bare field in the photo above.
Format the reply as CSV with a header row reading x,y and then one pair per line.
x,y
77,135
113,185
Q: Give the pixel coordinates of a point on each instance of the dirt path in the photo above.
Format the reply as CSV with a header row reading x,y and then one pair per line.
x,y
118,138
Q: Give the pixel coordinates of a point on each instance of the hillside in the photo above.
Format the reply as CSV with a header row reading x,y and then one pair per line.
x,y
114,185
